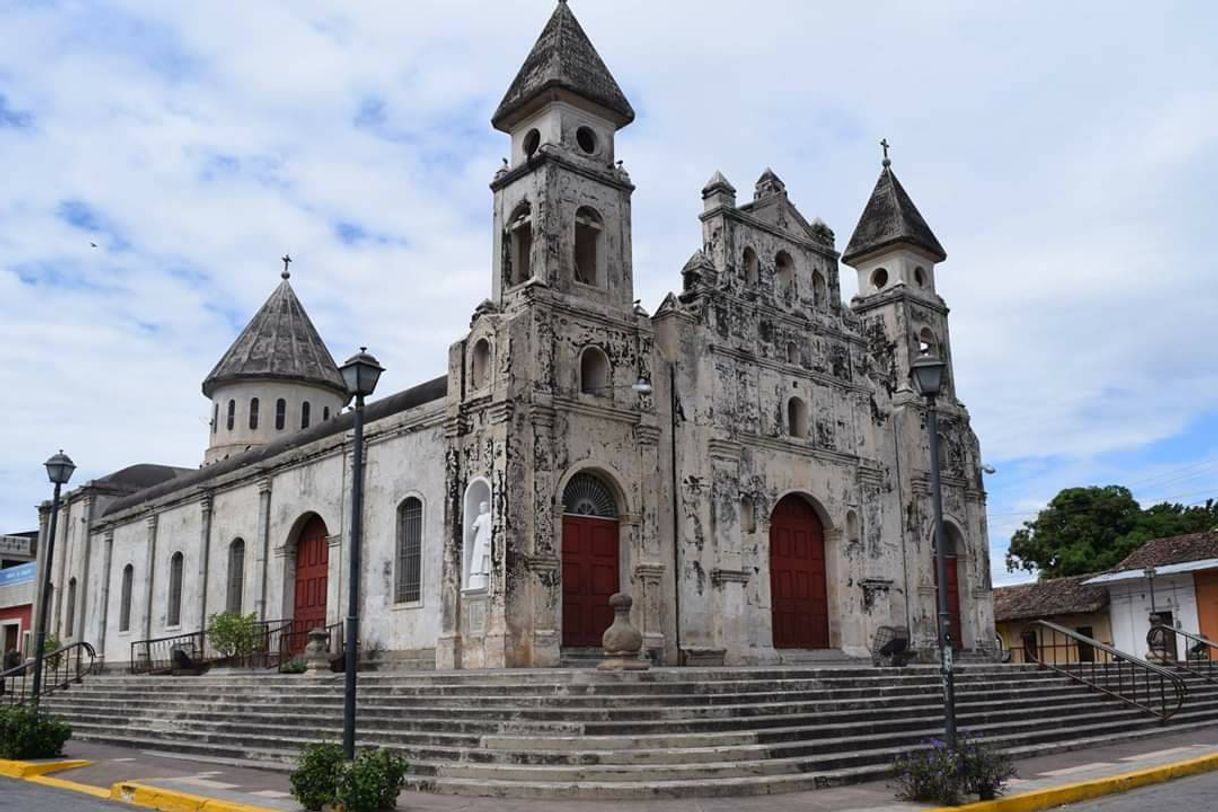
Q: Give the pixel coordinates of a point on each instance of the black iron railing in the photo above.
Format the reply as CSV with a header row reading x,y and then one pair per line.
x,y
195,652
60,670
1185,650
1099,666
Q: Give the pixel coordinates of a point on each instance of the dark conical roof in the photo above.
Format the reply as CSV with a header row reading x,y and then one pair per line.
x,y
279,342
889,218
563,58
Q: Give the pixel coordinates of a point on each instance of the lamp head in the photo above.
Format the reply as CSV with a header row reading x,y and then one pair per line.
x,y
60,468
927,375
361,373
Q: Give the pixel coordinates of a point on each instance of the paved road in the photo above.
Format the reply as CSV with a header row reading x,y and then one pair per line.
x,y
1195,794
26,797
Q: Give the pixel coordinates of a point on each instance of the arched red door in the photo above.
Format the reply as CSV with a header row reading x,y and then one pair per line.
x,y
590,566
953,596
312,580
798,592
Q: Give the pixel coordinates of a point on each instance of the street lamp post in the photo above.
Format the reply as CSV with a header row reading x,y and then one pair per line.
x,y
59,471
360,375
927,373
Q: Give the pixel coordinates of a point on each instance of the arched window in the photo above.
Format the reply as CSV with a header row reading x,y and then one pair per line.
x,y
920,277
236,577
588,227
784,273
124,604
928,344
253,414
792,353
750,266
820,291
852,528
70,622
594,372
173,617
879,278
232,415
797,418
281,414
480,363
325,413
305,413
588,495
409,580
215,417
520,244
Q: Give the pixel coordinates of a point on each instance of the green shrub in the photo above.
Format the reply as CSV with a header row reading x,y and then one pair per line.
x,y
294,666
936,774
49,645
984,770
316,775
26,733
233,634
371,782
930,775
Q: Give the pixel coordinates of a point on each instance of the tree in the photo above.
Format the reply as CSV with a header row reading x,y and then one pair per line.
x,y
1091,529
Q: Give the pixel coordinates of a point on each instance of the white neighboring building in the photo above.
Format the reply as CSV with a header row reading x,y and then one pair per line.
x,y
1184,588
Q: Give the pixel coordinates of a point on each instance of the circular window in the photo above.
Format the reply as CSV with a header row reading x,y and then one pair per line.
x,y
532,140
920,277
879,278
586,139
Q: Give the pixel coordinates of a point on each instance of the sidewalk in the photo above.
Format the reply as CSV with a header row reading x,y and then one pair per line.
x,y
268,789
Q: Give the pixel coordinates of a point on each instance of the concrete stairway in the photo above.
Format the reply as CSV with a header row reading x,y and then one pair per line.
x,y
569,733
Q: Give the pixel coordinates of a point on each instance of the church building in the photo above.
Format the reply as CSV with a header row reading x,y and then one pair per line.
x,y
749,463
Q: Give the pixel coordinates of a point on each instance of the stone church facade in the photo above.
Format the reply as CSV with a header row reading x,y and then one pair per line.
x,y
749,463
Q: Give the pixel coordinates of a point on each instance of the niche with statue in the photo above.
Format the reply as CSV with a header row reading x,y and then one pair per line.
x,y
476,537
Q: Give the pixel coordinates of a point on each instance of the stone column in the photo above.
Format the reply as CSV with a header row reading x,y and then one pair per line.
x,y
151,524
62,554
204,556
86,554
262,549
104,607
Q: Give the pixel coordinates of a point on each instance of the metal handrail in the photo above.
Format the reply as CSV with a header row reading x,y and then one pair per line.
x,y
60,668
1160,640
156,655
1134,681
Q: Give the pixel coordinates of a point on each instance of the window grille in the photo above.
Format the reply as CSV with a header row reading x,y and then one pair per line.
x,y
410,552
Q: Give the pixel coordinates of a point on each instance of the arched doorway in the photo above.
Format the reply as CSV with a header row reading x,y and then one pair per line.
x,y
312,581
590,567
799,595
954,544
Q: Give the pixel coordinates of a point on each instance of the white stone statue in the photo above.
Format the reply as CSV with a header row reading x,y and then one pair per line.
x,y
480,550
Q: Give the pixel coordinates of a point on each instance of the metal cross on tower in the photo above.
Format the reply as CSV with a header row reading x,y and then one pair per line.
x,y
287,260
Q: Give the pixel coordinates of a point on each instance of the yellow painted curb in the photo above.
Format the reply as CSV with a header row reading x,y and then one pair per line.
x,y
1085,790
27,769
171,800
74,786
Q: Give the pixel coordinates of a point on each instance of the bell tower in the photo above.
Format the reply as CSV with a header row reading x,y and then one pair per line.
x,y
895,253
562,202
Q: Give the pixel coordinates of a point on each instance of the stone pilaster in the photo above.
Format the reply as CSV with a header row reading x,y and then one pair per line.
x,y
262,550
150,583
103,614
205,506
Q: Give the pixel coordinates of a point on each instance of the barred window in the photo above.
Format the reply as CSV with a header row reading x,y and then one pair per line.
x,y
124,607
68,624
232,415
236,576
410,552
174,615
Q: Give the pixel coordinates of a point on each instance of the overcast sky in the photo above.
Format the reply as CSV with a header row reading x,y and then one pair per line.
x,y
1066,155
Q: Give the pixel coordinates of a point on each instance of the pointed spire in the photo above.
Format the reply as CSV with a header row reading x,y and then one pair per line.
x,y
768,184
281,343
889,218
563,58
718,183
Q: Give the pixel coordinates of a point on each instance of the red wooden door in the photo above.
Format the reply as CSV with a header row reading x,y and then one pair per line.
x,y
312,578
589,578
798,592
953,599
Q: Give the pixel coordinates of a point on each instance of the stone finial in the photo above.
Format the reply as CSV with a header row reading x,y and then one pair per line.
x,y
622,641
317,653
768,184
718,192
